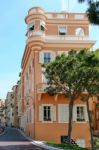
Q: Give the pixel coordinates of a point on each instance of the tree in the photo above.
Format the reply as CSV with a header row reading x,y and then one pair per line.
x,y
90,69
64,75
92,11
72,75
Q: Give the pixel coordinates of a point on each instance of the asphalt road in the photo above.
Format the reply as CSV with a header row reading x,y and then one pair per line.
x,y
13,139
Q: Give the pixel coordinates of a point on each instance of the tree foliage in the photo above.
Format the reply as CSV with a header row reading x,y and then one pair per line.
x,y
72,75
92,11
90,68
64,76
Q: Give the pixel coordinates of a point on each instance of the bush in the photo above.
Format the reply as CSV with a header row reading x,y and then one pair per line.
x,y
96,142
65,146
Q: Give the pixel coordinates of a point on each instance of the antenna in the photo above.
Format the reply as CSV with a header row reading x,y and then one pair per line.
x,y
65,5
68,6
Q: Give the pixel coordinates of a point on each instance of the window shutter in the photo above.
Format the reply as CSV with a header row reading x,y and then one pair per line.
x,y
32,114
54,113
86,114
41,57
63,113
28,116
53,55
74,113
40,113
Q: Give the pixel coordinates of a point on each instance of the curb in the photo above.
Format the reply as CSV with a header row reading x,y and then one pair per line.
x,y
42,145
38,143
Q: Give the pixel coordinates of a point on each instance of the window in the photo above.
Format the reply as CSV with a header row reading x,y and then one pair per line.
x,y
42,25
31,27
47,57
27,76
79,17
46,113
79,32
29,69
62,30
80,113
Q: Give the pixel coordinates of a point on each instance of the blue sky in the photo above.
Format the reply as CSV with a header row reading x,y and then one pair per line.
x,y
12,34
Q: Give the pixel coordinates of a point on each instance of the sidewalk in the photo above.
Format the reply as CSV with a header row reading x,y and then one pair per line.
x,y
39,143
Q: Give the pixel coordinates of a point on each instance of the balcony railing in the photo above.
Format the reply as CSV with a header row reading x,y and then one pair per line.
x,y
35,35
66,37
41,87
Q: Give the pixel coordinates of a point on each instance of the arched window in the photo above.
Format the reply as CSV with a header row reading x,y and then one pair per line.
x,y
79,32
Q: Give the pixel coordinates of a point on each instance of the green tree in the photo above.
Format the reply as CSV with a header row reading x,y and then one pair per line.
x,y
64,75
72,75
90,71
92,11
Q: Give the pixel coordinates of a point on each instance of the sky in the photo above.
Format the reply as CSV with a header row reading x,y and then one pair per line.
x,y
13,30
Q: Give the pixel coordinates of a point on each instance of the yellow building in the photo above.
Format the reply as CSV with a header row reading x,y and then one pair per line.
x,y
50,34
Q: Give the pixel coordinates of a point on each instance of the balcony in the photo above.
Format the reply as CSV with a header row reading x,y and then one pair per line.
x,y
41,87
35,33
40,36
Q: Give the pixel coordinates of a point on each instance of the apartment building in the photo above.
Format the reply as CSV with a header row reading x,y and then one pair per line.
x,y
48,35
11,104
9,110
2,112
19,103
15,105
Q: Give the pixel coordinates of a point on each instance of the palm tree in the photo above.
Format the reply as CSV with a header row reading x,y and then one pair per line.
x,y
92,11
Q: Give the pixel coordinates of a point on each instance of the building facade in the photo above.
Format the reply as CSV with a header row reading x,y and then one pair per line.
x,y
9,110
11,103
50,34
2,112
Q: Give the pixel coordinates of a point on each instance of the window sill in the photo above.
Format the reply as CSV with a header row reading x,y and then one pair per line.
x,y
47,121
79,122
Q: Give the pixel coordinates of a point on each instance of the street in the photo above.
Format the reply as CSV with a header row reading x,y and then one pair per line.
x,y
13,139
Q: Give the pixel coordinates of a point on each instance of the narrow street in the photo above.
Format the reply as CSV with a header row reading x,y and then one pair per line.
x,y
13,139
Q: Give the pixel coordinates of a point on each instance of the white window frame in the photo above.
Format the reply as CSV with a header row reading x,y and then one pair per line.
x,y
45,105
42,23
84,106
46,57
41,118
31,25
60,26
80,31
41,55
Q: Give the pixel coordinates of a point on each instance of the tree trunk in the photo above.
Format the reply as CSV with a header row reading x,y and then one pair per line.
x,y
70,121
91,130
